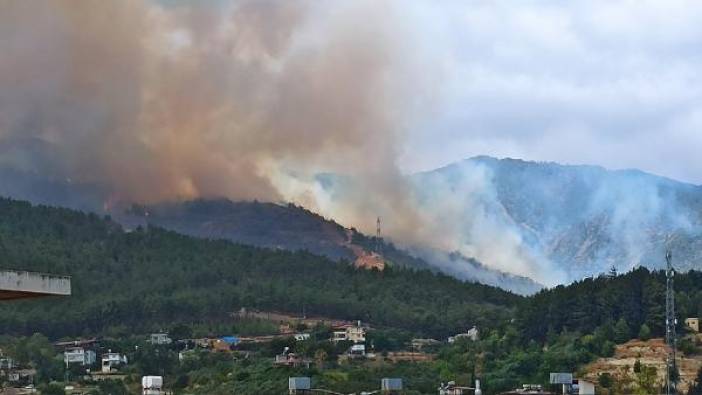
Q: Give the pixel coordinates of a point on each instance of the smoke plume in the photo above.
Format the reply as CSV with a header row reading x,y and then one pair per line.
x,y
163,100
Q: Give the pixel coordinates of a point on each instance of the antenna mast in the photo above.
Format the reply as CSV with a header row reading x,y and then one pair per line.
x,y
377,237
670,322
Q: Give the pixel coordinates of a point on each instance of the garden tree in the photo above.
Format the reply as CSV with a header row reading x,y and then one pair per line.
x,y
644,332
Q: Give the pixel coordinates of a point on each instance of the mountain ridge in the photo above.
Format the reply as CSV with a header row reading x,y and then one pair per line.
x,y
262,224
585,219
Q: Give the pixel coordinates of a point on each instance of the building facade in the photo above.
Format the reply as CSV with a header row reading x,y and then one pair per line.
x,y
79,356
355,333
111,361
160,339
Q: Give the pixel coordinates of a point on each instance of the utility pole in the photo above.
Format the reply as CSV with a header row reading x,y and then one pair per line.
x,y
670,322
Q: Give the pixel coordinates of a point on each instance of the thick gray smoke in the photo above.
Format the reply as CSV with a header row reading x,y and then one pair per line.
x,y
243,99
164,101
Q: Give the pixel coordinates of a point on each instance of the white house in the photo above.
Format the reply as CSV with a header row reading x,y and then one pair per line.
x,y
6,362
111,361
472,334
80,356
355,333
160,339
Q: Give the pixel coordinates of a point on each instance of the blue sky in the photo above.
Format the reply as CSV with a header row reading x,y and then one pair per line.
x,y
609,83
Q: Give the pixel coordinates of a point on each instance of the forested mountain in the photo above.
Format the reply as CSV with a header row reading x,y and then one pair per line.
x,y
580,220
270,225
150,277
558,223
134,282
150,274
261,224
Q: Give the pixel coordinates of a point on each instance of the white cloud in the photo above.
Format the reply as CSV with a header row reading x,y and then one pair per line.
x,y
610,83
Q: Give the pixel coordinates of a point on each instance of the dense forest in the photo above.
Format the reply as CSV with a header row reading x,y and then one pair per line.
x,y
637,297
150,278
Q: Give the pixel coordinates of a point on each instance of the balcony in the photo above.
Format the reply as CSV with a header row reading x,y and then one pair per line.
x,y
16,284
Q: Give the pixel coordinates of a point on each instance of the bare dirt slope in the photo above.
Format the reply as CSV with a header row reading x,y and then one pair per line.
x,y
651,353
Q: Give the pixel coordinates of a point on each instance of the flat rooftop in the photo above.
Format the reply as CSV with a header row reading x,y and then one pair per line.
x,y
17,284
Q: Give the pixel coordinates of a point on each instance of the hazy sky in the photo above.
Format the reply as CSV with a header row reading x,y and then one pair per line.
x,y
609,83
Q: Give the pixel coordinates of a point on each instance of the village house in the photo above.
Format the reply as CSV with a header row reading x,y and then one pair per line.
x,y
693,323
21,376
286,358
6,362
111,361
451,388
472,334
79,356
355,333
159,339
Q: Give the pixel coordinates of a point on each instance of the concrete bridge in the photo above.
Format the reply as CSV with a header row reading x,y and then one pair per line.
x,y
15,284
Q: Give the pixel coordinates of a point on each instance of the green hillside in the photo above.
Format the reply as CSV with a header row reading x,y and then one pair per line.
x,y
151,278
636,297
127,284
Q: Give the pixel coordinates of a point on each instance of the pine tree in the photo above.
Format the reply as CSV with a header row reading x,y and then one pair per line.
x,y
644,332
622,333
